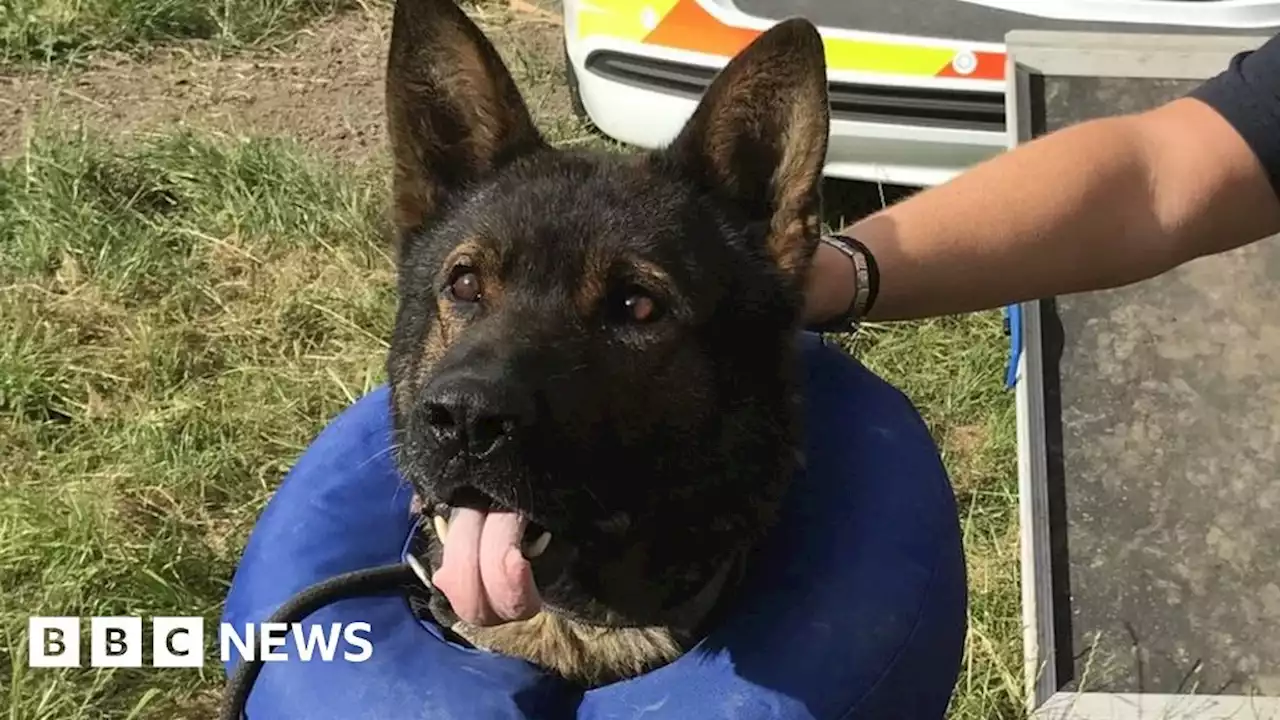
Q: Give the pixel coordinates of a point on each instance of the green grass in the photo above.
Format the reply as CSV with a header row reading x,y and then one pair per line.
x,y
953,370
41,31
180,315
177,320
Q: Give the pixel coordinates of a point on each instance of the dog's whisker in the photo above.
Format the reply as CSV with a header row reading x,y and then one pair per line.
x,y
593,497
391,448
529,502
567,374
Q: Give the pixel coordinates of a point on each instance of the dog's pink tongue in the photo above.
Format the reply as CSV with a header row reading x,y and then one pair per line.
x,y
486,578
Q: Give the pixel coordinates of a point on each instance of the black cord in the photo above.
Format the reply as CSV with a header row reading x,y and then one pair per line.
x,y
369,581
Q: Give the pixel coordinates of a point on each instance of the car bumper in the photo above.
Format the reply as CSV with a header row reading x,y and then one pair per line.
x,y
906,109
889,152
909,112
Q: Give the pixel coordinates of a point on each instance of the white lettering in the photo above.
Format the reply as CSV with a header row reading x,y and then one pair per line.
x,y
273,635
317,636
53,642
351,635
244,644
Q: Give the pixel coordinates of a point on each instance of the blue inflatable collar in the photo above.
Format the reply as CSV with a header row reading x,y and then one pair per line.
x,y
858,610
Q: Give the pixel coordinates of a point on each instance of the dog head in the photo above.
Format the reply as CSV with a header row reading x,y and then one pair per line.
x,y
591,362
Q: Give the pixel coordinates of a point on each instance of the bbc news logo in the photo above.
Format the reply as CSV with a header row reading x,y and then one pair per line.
x,y
178,642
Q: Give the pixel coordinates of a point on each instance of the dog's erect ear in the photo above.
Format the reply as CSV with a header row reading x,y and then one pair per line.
x,y
759,138
454,113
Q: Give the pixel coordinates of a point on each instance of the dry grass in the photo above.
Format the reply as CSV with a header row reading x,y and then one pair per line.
x,y
60,31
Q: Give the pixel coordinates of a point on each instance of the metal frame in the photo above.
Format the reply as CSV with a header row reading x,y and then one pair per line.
x,y
1080,54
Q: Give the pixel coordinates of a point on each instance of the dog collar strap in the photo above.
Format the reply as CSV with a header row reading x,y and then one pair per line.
x,y
866,282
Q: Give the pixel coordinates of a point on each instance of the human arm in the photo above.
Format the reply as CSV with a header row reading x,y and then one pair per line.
x,y
1097,205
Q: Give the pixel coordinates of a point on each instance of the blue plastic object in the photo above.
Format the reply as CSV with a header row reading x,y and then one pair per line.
x,y
1013,328
858,610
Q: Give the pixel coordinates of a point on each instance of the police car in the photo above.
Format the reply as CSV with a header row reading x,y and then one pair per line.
x,y
917,86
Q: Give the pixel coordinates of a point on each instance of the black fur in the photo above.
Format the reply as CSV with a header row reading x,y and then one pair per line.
x,y
655,452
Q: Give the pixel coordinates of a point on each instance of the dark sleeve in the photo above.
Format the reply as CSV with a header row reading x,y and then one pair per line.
x,y
1247,94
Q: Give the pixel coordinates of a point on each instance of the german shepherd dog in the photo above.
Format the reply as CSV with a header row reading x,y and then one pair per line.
x,y
593,371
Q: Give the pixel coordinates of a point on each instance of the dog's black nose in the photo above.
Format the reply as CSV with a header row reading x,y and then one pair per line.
x,y
469,413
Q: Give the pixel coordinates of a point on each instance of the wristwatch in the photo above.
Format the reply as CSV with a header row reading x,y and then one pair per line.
x,y
866,283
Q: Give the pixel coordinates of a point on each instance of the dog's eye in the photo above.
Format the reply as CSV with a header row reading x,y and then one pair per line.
x,y
640,307
464,285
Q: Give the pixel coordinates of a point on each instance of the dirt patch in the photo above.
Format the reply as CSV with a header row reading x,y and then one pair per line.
x,y
967,440
967,463
323,89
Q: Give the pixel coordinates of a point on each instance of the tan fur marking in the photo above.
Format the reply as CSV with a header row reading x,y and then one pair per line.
x,y
595,280
448,323
442,332
594,284
487,265
769,104
473,80
587,654
413,199
450,104
655,275
793,230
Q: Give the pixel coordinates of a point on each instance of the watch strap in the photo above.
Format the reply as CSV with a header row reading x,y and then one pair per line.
x,y
866,282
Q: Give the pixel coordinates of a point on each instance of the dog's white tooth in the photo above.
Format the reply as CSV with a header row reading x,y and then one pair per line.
x,y
539,546
442,527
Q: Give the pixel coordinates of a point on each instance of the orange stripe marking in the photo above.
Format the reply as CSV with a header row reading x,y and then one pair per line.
x,y
690,27
990,67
